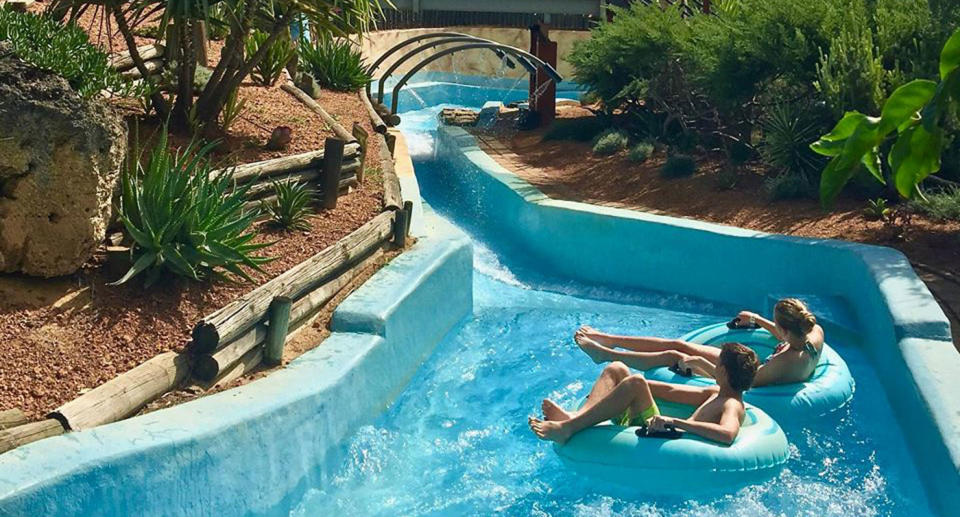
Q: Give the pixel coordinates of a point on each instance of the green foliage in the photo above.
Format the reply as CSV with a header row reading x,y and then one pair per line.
x,y
679,166
183,219
269,69
939,206
788,186
64,50
291,209
579,130
911,118
336,64
234,107
640,152
877,210
788,130
610,142
850,74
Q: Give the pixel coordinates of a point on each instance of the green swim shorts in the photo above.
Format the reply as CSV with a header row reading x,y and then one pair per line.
x,y
638,420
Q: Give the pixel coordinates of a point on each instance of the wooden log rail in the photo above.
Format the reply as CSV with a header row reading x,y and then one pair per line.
x,y
122,61
230,322
308,101
287,164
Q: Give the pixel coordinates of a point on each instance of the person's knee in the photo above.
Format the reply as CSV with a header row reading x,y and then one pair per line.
x,y
682,346
636,382
618,369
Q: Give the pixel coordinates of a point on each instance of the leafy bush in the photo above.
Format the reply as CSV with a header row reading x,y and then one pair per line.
x,y
610,142
579,130
336,64
788,186
939,206
640,152
787,133
877,210
679,166
184,219
269,69
64,50
291,209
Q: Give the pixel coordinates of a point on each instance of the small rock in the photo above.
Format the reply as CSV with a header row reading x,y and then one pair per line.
x,y
280,138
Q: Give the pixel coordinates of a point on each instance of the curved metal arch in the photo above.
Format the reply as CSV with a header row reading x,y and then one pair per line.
x,y
552,72
383,57
444,41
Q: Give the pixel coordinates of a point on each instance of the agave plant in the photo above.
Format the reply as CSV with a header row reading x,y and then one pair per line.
x,y
335,63
281,52
291,209
184,218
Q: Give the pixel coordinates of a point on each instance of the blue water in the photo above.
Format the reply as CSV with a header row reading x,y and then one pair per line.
x,y
455,442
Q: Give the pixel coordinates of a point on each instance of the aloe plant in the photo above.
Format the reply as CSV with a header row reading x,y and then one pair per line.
x,y
291,209
184,218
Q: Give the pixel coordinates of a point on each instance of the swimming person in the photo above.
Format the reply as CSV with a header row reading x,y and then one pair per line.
x,y
794,360
629,400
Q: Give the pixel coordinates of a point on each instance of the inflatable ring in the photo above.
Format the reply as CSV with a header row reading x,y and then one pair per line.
x,y
679,466
828,389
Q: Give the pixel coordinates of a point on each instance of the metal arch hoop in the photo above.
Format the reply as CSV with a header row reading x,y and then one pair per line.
x,y
383,57
439,41
530,58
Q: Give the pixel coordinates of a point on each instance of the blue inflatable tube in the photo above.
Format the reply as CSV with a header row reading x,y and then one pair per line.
x,y
828,389
680,466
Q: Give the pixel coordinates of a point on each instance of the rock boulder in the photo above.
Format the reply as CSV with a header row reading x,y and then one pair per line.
x,y
60,158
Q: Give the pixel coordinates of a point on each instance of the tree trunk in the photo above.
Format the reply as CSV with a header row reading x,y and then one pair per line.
x,y
156,98
186,69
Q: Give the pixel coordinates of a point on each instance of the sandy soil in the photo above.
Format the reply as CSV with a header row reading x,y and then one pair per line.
x,y
569,170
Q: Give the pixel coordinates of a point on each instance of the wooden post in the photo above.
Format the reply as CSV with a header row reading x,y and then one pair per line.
x,y
26,433
330,174
391,142
362,137
400,229
200,42
277,330
408,208
12,418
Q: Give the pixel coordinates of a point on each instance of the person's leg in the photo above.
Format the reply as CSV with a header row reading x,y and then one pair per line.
x,y
611,375
646,352
648,343
631,394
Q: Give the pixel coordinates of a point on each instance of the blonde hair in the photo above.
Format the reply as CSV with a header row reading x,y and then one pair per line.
x,y
794,316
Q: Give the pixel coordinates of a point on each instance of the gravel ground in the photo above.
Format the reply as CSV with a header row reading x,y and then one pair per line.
x,y
64,336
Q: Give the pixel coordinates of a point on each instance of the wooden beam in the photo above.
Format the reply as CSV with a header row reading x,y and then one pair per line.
x,y
12,418
308,101
330,173
152,66
123,62
392,197
230,322
285,165
277,329
125,394
24,434
245,349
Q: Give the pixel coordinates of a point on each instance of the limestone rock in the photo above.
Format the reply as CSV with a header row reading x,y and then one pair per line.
x,y
60,159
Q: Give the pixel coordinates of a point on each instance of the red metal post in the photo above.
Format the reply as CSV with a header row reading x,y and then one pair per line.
x,y
543,90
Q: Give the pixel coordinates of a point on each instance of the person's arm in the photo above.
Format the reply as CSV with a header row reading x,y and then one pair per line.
x,y
724,432
699,365
689,395
771,327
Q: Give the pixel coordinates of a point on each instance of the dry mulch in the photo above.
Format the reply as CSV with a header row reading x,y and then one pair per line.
x,y
569,170
67,335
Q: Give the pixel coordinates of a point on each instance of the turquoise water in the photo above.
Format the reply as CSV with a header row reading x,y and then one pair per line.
x,y
455,442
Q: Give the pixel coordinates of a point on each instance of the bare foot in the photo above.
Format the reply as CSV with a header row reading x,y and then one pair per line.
x,y
547,430
596,351
553,412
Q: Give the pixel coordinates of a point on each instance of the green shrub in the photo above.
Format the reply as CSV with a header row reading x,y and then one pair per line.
x,y
610,142
182,218
789,186
640,152
580,129
679,166
785,145
939,206
877,210
336,64
232,109
64,50
291,209
269,69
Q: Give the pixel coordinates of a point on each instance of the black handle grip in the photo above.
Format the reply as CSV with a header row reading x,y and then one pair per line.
x,y
735,324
